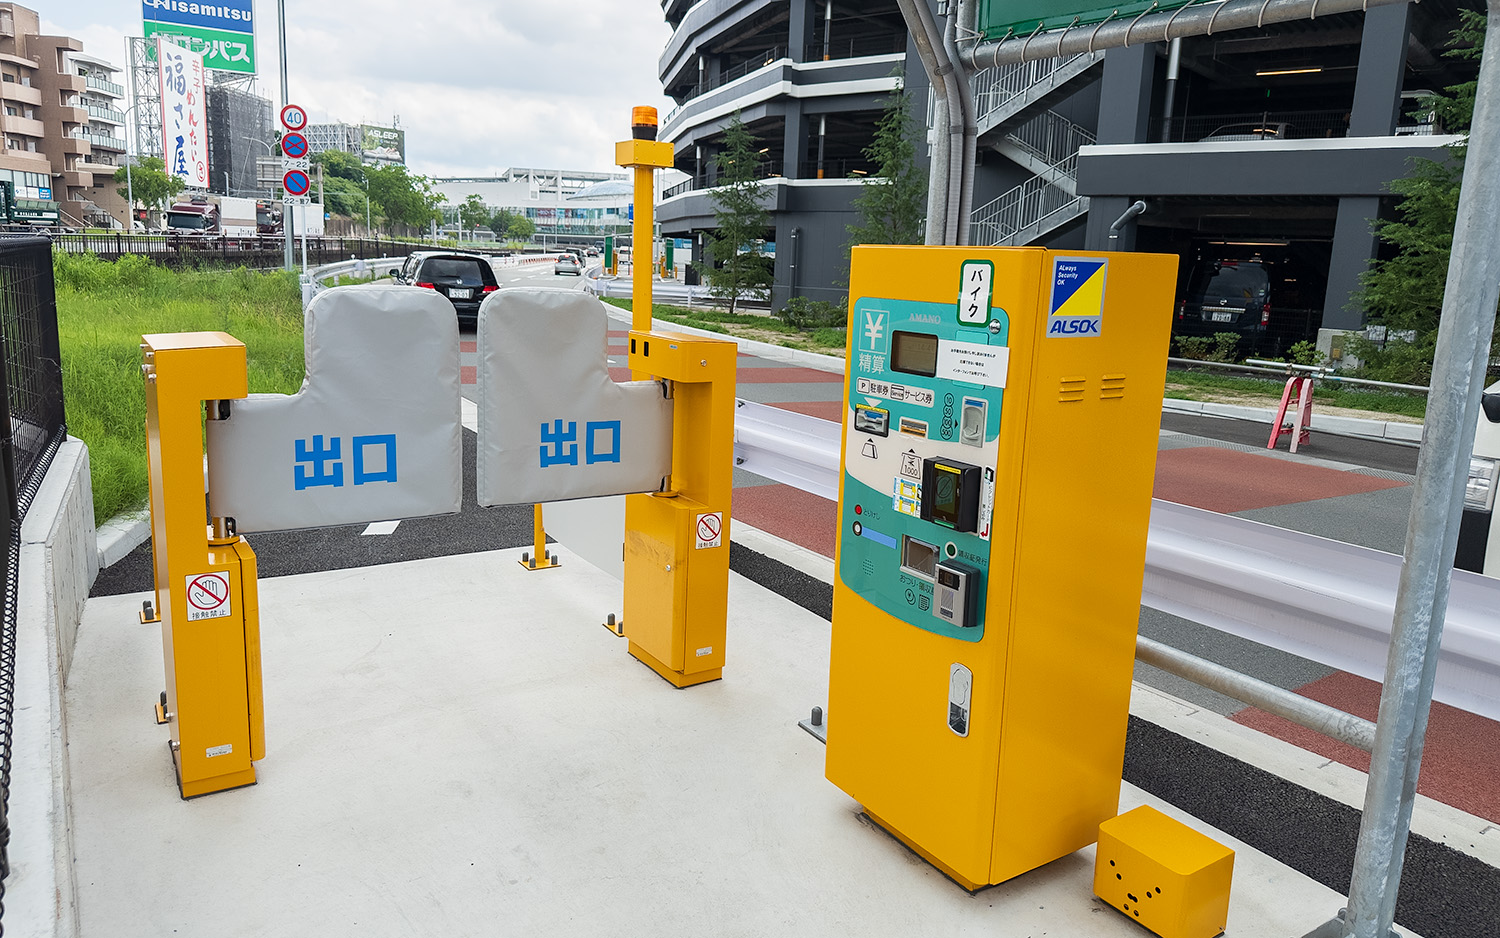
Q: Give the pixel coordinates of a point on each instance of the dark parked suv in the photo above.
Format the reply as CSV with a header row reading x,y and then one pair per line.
x,y
1269,301
465,279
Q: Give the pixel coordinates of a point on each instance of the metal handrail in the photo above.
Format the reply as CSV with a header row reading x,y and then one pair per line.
x,y
1027,205
994,88
1052,138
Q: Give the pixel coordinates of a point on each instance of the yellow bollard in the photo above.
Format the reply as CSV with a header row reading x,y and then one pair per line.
x,y
538,558
677,542
204,573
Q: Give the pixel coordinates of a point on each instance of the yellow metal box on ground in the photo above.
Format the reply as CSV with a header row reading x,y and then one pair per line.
x,y
1165,875
1002,407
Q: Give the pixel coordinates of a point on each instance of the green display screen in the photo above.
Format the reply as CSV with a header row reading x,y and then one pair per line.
x,y
914,353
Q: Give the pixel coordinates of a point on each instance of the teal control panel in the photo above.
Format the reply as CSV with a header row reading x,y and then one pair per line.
x,y
925,388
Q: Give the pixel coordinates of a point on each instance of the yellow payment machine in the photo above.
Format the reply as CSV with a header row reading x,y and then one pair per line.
x,y
1000,434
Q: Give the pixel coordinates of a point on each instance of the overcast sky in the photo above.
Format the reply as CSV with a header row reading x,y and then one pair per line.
x,y
478,86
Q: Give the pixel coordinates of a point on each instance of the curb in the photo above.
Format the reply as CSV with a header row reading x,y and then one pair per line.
x,y
1388,430
122,534
780,353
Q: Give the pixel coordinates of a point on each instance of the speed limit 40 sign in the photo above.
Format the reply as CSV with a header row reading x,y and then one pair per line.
x,y
293,117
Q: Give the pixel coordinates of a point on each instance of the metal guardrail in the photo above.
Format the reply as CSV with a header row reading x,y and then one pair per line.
x,y
1321,599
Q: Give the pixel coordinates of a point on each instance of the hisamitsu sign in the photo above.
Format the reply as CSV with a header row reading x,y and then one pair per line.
x,y
223,33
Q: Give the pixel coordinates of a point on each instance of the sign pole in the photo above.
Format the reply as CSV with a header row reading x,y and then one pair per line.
x,y
1458,371
286,99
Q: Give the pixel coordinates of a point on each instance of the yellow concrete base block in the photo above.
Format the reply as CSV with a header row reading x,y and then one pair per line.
x,y
1165,875
675,678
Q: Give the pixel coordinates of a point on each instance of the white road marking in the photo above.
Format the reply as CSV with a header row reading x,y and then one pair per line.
x,y
381,527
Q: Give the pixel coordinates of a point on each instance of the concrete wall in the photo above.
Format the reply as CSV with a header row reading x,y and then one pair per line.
x,y
59,560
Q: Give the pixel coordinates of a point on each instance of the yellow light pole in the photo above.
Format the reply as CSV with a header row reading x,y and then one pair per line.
x,y
677,541
644,154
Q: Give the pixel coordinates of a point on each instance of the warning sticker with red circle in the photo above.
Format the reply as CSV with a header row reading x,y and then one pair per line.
x,y
207,596
710,529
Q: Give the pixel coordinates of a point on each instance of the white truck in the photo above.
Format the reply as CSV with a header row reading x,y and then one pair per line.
x,y
307,220
1478,534
237,217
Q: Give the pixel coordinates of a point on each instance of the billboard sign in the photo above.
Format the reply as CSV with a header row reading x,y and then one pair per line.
x,y
223,33
383,144
184,118
999,19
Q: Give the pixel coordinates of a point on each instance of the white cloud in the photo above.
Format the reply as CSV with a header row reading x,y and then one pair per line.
x,y
477,86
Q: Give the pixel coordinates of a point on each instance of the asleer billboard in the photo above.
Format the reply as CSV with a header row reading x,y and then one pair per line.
x,y
223,33
384,144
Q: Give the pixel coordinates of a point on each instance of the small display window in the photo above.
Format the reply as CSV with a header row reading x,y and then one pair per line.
x,y
914,353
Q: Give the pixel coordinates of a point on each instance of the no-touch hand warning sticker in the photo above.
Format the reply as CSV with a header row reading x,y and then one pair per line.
x,y
207,596
710,529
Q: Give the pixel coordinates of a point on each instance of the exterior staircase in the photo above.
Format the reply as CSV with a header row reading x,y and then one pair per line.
x,y
1012,104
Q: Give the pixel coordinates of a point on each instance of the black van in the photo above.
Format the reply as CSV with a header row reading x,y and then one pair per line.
x,y
1270,302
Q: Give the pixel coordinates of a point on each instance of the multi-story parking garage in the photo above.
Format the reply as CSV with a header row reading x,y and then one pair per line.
x,y
809,79
1275,146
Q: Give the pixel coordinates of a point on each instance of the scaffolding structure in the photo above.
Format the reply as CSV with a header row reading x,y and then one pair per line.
x,y
239,131
145,97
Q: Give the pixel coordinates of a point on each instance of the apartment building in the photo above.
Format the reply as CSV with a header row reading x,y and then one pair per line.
x,y
1275,146
63,124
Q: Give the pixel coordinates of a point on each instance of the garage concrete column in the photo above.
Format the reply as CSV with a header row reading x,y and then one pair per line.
x,y
794,141
1354,245
1382,66
800,30
1124,117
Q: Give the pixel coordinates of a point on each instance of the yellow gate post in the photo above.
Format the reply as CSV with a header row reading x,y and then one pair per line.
x,y
538,558
677,541
204,573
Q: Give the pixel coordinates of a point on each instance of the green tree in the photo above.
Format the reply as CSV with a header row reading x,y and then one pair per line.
x,y
152,184
473,212
344,197
740,220
341,165
891,202
500,222
520,228
402,198
1405,291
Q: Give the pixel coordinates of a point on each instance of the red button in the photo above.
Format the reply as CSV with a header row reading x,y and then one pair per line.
x,y
859,510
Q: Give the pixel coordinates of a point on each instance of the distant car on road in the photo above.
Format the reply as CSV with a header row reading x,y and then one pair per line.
x,y
465,279
1478,534
567,264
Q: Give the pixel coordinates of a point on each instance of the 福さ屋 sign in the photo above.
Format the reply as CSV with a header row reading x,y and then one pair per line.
x,y
184,116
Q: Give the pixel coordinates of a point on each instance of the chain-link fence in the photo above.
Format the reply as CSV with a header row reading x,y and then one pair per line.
x,y
32,426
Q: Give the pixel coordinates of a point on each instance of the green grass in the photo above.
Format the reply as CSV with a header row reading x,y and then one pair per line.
x,y
1200,385
103,310
722,321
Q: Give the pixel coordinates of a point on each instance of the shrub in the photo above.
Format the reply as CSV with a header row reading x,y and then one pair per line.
x,y
803,313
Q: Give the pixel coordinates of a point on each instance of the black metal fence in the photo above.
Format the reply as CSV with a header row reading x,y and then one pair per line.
x,y
266,251
32,426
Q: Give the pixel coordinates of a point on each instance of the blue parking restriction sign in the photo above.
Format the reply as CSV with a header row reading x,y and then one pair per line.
x,y
296,182
294,145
